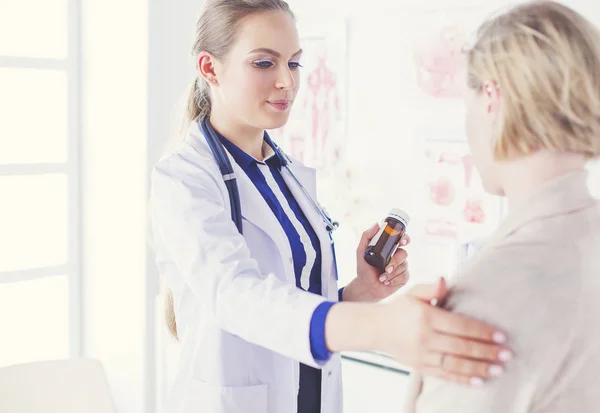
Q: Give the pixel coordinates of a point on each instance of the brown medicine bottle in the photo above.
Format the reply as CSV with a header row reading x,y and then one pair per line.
x,y
384,244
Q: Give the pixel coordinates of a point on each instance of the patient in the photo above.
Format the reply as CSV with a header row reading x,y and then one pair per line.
x,y
533,120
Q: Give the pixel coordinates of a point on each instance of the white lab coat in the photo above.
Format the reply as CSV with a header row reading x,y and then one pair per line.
x,y
242,322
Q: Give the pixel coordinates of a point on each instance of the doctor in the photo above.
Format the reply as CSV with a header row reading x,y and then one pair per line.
x,y
257,310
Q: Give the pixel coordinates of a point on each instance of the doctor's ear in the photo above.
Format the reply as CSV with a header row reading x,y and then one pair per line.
x,y
206,67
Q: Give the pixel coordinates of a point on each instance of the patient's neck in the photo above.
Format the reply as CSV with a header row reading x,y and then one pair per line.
x,y
524,175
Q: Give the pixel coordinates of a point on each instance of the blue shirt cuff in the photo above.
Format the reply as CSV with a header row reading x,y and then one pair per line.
x,y
318,346
341,294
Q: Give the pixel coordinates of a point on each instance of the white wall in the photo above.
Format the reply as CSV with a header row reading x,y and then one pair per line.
x,y
170,66
170,72
135,66
114,51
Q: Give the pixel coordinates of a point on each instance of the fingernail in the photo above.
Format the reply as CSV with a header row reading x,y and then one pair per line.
x,y
383,278
476,381
505,355
434,302
389,269
499,337
374,225
496,371
387,283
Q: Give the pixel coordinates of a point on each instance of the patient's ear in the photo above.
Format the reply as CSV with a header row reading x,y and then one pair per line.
x,y
492,95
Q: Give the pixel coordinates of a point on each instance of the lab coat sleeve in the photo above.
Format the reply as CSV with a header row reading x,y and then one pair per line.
x,y
197,233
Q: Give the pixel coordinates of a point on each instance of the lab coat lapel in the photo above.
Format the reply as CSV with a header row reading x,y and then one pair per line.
x,y
256,210
307,177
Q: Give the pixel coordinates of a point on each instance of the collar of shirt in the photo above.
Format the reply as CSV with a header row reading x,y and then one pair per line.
x,y
244,160
561,195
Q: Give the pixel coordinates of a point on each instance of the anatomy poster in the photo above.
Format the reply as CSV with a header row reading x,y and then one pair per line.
x,y
438,49
439,60
456,205
456,210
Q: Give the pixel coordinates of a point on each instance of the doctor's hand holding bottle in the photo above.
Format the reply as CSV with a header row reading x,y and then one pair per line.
x,y
370,284
409,328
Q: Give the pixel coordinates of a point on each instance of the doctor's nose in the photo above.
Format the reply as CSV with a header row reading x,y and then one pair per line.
x,y
286,79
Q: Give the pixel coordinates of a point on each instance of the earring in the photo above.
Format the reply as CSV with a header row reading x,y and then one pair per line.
x,y
213,81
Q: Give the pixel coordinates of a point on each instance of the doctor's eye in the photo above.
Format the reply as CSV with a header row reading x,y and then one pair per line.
x,y
263,64
294,65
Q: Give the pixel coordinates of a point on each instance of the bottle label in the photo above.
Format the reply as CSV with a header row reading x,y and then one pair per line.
x,y
393,232
382,227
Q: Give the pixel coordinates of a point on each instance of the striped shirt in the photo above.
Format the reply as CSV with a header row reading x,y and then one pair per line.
x,y
306,254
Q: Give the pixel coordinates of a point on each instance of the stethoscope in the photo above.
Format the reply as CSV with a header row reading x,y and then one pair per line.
x,y
230,180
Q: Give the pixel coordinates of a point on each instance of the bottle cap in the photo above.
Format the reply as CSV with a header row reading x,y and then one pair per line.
x,y
400,215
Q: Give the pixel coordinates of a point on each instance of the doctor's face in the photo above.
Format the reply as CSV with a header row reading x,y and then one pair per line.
x,y
259,76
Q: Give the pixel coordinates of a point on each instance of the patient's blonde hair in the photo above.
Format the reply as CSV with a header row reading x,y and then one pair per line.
x,y
545,59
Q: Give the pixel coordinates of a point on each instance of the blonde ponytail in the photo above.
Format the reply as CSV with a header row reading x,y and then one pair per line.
x,y
170,314
198,103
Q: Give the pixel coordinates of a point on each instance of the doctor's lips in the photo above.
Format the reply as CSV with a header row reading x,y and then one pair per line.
x,y
281,104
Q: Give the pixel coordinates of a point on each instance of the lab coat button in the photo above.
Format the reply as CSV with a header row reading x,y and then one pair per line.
x,y
304,238
329,373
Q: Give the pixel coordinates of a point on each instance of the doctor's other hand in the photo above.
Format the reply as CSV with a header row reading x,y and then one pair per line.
x,y
429,339
436,342
370,283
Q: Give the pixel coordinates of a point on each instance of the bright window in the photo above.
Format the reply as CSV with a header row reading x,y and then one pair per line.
x,y
34,28
39,259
